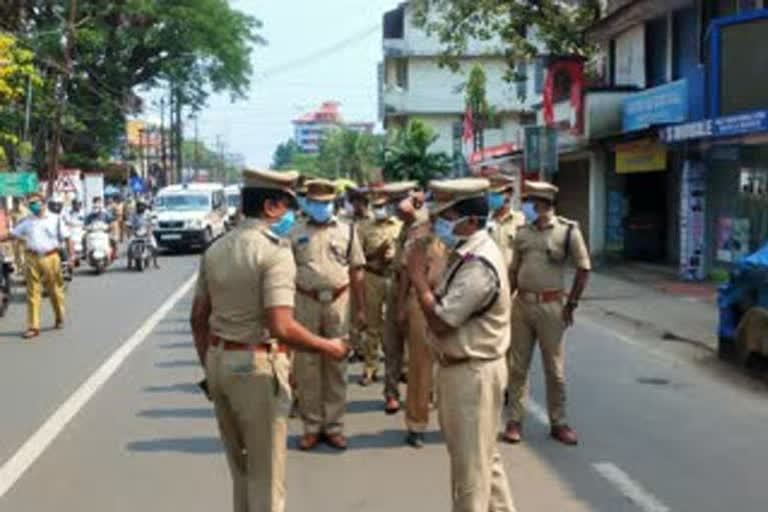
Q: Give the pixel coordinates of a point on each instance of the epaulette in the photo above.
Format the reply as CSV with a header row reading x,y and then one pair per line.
x,y
567,222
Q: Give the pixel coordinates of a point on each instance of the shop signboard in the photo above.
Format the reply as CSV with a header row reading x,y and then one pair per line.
x,y
664,104
732,239
18,184
640,156
755,121
541,151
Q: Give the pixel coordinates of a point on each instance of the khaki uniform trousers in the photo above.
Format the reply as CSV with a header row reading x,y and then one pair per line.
x,y
252,399
420,369
393,345
19,251
43,271
321,382
376,292
532,323
470,399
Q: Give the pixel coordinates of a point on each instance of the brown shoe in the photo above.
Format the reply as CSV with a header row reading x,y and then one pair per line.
x,y
513,434
392,406
308,441
564,434
31,333
365,381
337,441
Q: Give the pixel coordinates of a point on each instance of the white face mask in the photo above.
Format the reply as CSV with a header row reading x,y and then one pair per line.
x,y
380,212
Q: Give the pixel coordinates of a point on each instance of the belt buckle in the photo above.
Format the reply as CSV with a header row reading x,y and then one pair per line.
x,y
325,295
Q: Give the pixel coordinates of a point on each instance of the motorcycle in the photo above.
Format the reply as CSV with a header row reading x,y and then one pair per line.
x,y
98,246
140,250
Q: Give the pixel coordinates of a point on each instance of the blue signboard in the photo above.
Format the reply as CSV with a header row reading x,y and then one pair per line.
x,y
664,104
755,121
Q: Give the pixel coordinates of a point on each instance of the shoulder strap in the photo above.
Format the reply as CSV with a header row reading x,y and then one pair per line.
x,y
567,241
351,238
488,265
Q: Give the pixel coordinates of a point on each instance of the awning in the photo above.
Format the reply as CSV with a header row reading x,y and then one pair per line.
x,y
493,153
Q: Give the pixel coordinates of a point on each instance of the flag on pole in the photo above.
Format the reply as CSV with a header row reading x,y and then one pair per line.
x,y
469,127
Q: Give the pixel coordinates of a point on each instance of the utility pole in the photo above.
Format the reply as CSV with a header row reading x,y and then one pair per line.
x,y
141,152
179,136
166,181
220,150
197,151
62,83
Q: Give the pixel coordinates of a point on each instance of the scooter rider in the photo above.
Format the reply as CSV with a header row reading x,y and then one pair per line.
x,y
143,219
99,214
66,248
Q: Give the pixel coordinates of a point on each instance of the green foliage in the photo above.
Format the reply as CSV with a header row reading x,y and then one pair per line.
x,y
407,155
284,154
560,26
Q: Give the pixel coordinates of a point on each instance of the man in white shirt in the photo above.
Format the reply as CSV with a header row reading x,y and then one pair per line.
x,y
42,233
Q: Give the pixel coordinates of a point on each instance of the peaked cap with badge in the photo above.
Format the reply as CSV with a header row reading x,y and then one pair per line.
x,y
321,190
540,190
449,192
501,182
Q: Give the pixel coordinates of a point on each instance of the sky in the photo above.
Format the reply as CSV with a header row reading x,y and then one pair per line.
x,y
291,77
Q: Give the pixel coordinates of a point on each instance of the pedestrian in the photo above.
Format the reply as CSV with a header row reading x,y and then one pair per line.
x,y
360,216
242,334
420,365
399,198
378,238
42,232
468,314
504,220
542,310
329,264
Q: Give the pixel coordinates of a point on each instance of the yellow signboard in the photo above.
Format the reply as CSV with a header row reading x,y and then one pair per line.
x,y
133,130
643,155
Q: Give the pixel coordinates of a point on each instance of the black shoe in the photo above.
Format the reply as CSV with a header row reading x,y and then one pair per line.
x,y
415,439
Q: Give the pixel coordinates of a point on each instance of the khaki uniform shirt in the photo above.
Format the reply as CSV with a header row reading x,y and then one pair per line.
x,y
478,334
417,229
244,273
540,255
324,254
373,235
504,232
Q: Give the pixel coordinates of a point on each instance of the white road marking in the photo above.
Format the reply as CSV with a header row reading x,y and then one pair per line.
x,y
657,354
630,489
25,456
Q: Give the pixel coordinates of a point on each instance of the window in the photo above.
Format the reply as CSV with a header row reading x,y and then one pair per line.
x,y
656,51
538,75
684,44
612,63
401,73
562,86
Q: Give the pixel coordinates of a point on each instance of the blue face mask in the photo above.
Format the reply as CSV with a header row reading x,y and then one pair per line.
x,y
443,230
35,208
284,226
318,211
529,211
496,201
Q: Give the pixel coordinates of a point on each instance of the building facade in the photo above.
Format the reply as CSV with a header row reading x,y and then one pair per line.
x,y
309,129
413,86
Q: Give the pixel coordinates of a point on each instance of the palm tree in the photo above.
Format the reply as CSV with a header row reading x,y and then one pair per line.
x,y
407,155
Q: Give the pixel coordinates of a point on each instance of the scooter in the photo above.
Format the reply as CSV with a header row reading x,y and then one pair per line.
x,y
98,246
77,233
140,250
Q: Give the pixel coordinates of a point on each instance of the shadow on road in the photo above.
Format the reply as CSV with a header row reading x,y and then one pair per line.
x,y
194,445
178,363
363,406
181,387
177,345
369,441
206,412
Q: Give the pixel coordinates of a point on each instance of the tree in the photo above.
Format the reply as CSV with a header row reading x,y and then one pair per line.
x,y
202,46
407,155
17,73
477,103
284,154
560,26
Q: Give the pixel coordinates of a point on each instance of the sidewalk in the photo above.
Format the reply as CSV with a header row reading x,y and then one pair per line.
x,y
653,298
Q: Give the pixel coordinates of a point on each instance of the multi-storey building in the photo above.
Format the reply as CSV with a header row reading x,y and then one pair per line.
x,y
310,128
412,85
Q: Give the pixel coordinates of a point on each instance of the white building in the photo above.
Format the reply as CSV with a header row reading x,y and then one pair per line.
x,y
310,129
412,85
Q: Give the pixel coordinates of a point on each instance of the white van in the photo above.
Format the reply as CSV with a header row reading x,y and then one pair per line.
x,y
189,215
233,204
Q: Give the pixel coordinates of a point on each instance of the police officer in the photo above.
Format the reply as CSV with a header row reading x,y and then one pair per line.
x,y
42,232
360,215
469,315
242,333
542,310
18,213
399,198
378,238
504,220
329,261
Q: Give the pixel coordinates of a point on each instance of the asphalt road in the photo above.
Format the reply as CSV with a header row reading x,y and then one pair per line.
x,y
663,426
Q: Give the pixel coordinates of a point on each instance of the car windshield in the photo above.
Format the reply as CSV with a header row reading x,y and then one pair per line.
x,y
182,202
233,200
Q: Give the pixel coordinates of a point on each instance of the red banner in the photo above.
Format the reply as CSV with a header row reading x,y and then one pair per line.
x,y
575,70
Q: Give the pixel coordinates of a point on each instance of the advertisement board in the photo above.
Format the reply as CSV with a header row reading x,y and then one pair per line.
x,y
664,104
541,151
18,184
